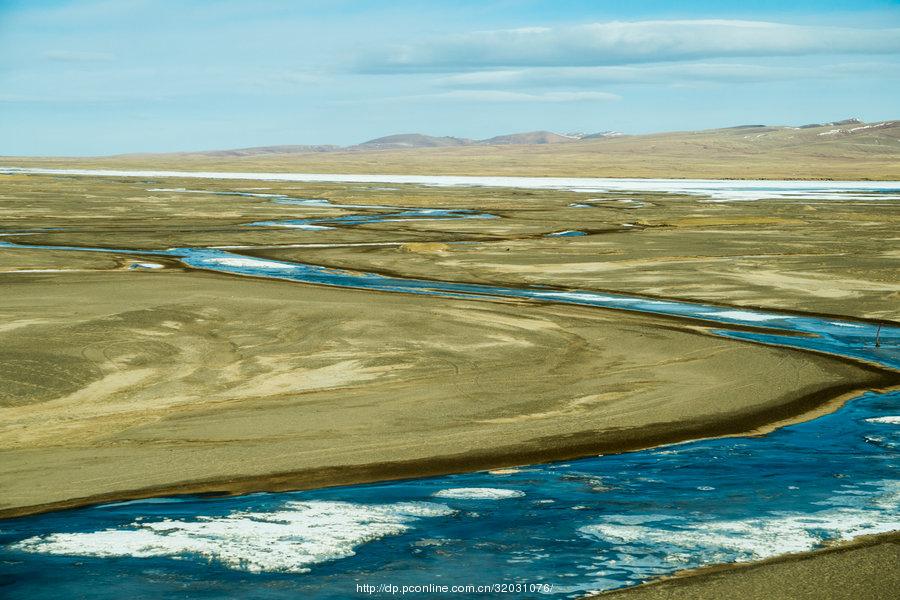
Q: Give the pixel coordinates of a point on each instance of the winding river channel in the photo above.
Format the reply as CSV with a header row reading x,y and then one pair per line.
x,y
592,524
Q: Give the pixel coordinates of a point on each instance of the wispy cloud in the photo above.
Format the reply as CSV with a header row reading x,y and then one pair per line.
x,y
505,96
672,73
75,56
626,42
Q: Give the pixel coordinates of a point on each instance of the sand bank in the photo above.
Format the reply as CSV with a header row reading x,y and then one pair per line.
x,y
133,384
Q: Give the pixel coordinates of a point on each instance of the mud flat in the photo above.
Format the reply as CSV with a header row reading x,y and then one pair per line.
x,y
134,383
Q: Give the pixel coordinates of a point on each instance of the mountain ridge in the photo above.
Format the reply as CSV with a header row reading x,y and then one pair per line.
x,y
396,141
410,141
844,149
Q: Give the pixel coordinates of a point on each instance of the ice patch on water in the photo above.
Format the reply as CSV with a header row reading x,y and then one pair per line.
x,y
878,440
744,315
889,420
290,539
478,494
250,262
839,324
578,296
752,539
849,514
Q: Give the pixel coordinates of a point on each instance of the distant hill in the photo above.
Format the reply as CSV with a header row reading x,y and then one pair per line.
x,y
407,141
284,149
530,137
410,140
842,149
418,140
401,141
254,151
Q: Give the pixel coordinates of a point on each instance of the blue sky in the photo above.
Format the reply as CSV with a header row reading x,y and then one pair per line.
x,y
112,76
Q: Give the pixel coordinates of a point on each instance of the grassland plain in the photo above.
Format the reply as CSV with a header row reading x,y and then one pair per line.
x,y
127,383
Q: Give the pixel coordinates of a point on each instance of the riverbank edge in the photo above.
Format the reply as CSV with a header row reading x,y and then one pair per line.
x,y
271,253
262,252
702,574
804,406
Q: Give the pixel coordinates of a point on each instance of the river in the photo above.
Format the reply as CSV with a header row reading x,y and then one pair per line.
x,y
587,525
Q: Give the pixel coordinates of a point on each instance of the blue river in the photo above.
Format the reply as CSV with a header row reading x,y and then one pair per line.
x,y
561,530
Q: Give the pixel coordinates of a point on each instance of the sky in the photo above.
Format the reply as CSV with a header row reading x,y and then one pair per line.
x,y
103,77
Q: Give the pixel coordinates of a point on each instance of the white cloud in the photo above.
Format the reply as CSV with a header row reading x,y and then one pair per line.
x,y
618,42
672,73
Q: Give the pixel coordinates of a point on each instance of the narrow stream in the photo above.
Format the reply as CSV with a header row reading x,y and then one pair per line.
x,y
843,337
400,214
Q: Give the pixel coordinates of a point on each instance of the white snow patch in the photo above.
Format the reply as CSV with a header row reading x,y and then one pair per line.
x,y
873,126
717,189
